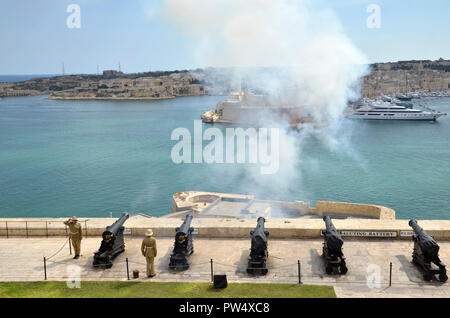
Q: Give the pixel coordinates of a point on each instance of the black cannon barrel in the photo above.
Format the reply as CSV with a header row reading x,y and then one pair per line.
x,y
426,242
184,228
183,246
421,234
261,222
329,224
259,239
114,228
416,227
259,230
332,236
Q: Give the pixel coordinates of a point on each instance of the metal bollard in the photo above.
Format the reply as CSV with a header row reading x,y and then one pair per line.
x,y
390,275
128,270
212,271
45,268
70,246
299,273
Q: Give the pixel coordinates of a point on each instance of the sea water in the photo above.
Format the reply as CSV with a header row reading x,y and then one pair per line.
x,y
93,158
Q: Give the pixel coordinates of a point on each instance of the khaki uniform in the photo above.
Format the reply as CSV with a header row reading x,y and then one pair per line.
x,y
148,250
75,235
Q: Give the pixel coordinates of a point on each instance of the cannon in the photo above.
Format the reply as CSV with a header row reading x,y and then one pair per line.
x,y
426,253
112,243
183,246
258,251
332,249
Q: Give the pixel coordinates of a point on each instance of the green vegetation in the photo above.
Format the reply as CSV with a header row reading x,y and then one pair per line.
x,y
161,290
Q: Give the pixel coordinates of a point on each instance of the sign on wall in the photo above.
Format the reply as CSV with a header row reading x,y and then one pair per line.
x,y
376,234
369,233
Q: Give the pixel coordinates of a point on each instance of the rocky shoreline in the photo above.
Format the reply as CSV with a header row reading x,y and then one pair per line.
x,y
424,77
112,85
108,98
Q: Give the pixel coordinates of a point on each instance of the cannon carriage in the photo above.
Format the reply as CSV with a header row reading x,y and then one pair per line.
x,y
426,253
332,249
112,243
183,246
258,251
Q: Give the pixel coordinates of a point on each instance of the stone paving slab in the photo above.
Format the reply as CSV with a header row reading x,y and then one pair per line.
x,y
21,259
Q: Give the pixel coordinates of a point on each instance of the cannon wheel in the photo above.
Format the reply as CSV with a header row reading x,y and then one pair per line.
x,y
264,271
249,271
427,277
329,269
343,269
443,278
109,265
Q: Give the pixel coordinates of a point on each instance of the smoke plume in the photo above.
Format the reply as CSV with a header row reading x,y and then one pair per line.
x,y
275,45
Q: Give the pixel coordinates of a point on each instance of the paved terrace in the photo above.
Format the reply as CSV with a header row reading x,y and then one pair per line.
x,y
21,259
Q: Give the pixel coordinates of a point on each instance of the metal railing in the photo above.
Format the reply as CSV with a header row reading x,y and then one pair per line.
x,y
290,273
8,229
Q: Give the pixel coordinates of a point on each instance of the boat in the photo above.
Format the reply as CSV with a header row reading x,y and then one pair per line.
x,y
388,111
403,97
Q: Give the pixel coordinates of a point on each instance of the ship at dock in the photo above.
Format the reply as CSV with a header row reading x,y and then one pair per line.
x,y
248,107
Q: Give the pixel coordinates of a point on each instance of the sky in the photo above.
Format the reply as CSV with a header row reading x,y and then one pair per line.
x,y
35,37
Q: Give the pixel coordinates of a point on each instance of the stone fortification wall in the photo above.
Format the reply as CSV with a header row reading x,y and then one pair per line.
x,y
221,227
407,76
195,202
354,209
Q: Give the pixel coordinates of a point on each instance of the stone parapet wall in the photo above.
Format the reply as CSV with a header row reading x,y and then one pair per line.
x,y
407,76
196,202
221,227
354,209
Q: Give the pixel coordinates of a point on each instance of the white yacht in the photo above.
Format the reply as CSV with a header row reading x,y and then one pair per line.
x,y
387,111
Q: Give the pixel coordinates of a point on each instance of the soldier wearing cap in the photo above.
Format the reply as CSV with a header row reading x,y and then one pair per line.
x,y
75,234
148,250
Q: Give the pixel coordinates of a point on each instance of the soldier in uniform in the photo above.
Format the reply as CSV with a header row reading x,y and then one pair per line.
x,y
148,250
75,234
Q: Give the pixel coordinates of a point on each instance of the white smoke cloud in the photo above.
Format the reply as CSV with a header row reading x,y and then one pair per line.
x,y
304,47
323,62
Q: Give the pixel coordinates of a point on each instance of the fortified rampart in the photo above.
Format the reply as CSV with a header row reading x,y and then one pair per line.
x,y
224,227
406,76
223,215
201,203
384,78
110,85
171,86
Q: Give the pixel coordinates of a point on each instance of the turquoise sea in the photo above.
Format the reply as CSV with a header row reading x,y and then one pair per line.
x,y
90,158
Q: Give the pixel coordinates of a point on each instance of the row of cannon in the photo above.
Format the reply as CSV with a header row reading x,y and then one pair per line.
x,y
425,253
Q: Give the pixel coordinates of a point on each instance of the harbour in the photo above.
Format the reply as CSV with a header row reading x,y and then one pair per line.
x,y
402,165
228,150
